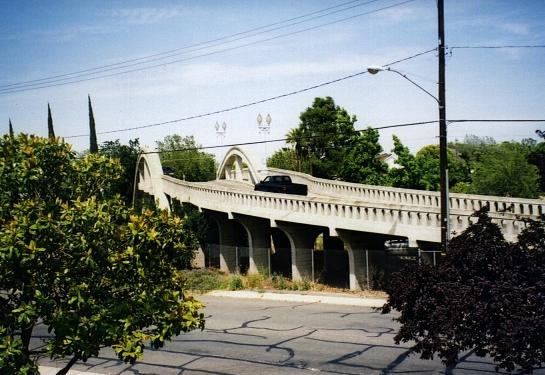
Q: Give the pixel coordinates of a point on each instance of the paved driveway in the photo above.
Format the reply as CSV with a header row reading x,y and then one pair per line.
x,y
273,337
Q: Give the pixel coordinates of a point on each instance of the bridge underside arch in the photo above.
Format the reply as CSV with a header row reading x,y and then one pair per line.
x,y
280,253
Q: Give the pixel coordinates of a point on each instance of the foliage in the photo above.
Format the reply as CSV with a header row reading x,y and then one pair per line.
x,y
285,158
421,171
536,156
195,222
76,259
325,131
127,155
362,162
183,155
236,283
11,133
93,144
503,170
404,176
203,280
50,130
487,295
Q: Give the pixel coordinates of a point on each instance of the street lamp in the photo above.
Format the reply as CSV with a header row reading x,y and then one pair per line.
x,y
264,129
443,163
441,102
220,130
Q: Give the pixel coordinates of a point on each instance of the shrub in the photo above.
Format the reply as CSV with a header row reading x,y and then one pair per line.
x,y
487,295
235,283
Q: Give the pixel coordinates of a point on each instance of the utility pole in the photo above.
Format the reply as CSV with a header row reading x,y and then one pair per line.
x,y
443,162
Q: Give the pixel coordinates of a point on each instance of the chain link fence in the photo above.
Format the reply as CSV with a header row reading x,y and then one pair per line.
x,y
372,268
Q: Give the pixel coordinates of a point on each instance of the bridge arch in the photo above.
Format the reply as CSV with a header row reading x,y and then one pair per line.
x,y
148,178
240,165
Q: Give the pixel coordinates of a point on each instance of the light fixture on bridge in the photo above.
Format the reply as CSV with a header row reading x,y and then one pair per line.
x,y
264,128
220,130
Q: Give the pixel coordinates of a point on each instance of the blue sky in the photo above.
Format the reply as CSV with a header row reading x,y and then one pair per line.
x,y
44,39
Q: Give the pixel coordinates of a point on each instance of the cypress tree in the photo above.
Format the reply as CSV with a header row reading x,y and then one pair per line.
x,y
50,131
93,148
10,129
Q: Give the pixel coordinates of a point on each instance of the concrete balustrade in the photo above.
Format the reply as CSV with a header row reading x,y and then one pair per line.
x,y
467,202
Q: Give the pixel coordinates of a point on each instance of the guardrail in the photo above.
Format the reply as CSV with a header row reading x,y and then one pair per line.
x,y
419,222
467,202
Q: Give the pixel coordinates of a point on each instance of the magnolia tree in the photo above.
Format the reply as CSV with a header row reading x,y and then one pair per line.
x,y
74,258
487,296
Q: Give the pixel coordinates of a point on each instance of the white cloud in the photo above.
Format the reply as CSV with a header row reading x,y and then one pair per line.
x,y
514,28
149,15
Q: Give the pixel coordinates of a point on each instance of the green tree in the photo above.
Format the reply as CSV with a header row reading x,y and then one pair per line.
x,y
421,171
93,145
427,164
403,176
76,259
362,163
537,157
11,133
183,155
504,170
472,148
324,133
487,295
50,130
285,158
127,156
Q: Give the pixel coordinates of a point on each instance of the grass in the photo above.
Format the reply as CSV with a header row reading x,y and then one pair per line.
x,y
207,279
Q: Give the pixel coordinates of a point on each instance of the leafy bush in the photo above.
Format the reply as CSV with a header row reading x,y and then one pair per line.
x,y
75,258
202,279
487,295
255,281
279,281
235,283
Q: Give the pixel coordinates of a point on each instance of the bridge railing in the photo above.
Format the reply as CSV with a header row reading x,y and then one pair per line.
x,y
411,197
376,216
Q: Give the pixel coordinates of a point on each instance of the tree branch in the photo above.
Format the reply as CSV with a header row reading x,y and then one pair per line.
x,y
70,363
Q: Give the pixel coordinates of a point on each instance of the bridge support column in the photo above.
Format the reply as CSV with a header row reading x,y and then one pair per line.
x,y
362,256
301,239
228,236
259,241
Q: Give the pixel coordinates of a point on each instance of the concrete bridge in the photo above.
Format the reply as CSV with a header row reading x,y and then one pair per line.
x,y
352,217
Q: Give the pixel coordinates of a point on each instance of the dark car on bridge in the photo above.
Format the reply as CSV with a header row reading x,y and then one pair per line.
x,y
281,184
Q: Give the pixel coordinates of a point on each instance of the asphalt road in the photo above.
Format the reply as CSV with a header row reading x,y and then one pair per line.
x,y
269,337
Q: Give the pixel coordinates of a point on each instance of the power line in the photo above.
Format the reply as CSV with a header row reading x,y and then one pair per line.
x,y
252,103
197,148
498,120
227,37
38,86
401,125
284,139
191,48
498,47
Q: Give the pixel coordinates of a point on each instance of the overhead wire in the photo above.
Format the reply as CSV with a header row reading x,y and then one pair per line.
x,y
227,37
205,44
370,128
276,97
71,80
497,46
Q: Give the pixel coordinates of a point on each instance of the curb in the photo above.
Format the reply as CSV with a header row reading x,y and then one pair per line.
x,y
306,298
47,370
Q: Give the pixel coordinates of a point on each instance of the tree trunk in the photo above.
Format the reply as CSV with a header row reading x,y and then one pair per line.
x,y
26,335
64,371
